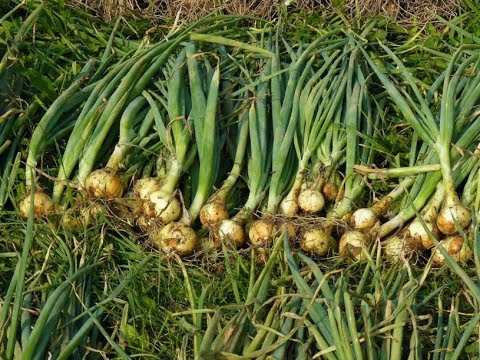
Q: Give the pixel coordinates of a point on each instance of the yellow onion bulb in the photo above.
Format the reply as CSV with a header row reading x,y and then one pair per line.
x,y
453,212
352,243
363,219
231,232
42,205
175,237
289,206
330,190
104,184
144,187
212,213
418,232
261,232
315,241
456,247
162,206
398,248
91,214
71,220
311,201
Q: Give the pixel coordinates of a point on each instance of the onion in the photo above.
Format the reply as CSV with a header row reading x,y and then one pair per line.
x,y
419,233
71,220
311,201
231,232
398,248
453,212
261,232
352,243
104,184
456,246
315,241
212,213
330,190
42,205
289,205
91,214
364,219
144,187
163,206
175,237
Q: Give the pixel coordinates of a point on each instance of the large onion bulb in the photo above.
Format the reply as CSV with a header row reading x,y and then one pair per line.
x,y
42,205
165,207
418,232
176,237
453,212
363,219
261,232
104,184
352,243
315,241
144,187
398,248
456,246
231,232
212,213
311,201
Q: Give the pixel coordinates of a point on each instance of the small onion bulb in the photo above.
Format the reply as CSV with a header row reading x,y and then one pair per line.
x,y
315,241
231,232
42,205
175,237
311,201
455,245
162,206
363,219
144,187
212,213
261,232
104,184
352,243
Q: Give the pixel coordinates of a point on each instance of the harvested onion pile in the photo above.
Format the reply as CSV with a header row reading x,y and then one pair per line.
x,y
203,136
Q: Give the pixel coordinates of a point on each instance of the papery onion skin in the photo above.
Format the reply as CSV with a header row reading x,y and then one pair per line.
x,y
104,184
42,205
175,237
398,248
418,232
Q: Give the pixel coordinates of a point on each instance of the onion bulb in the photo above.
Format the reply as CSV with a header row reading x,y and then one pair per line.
x,y
363,219
231,232
398,248
212,213
418,232
144,187
289,206
453,212
104,184
176,237
311,201
163,206
330,190
71,220
42,205
315,241
261,232
352,243
456,246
